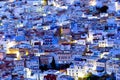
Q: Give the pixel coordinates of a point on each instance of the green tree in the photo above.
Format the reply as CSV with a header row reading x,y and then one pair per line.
x,y
53,64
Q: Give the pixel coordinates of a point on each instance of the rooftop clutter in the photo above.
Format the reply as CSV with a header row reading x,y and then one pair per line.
x,y
59,39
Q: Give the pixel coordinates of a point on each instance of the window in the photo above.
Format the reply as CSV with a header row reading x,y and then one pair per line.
x,y
76,74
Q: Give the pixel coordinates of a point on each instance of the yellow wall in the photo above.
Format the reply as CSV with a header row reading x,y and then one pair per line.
x,y
44,2
17,52
12,51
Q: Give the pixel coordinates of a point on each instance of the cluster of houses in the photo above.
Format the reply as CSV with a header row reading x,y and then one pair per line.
x,y
76,32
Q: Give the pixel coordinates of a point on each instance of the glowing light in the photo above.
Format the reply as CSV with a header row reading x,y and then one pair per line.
x,y
44,15
61,30
93,3
94,67
27,52
75,41
39,9
21,25
55,4
11,0
46,27
117,6
3,36
83,15
70,1
18,55
11,44
34,27
62,37
11,50
28,71
49,12
61,24
82,75
102,55
44,2
64,7
35,3
90,37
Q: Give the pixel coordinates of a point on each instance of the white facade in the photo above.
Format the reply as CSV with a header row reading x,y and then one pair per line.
x,y
76,71
112,66
65,47
90,36
105,43
81,42
102,43
118,75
